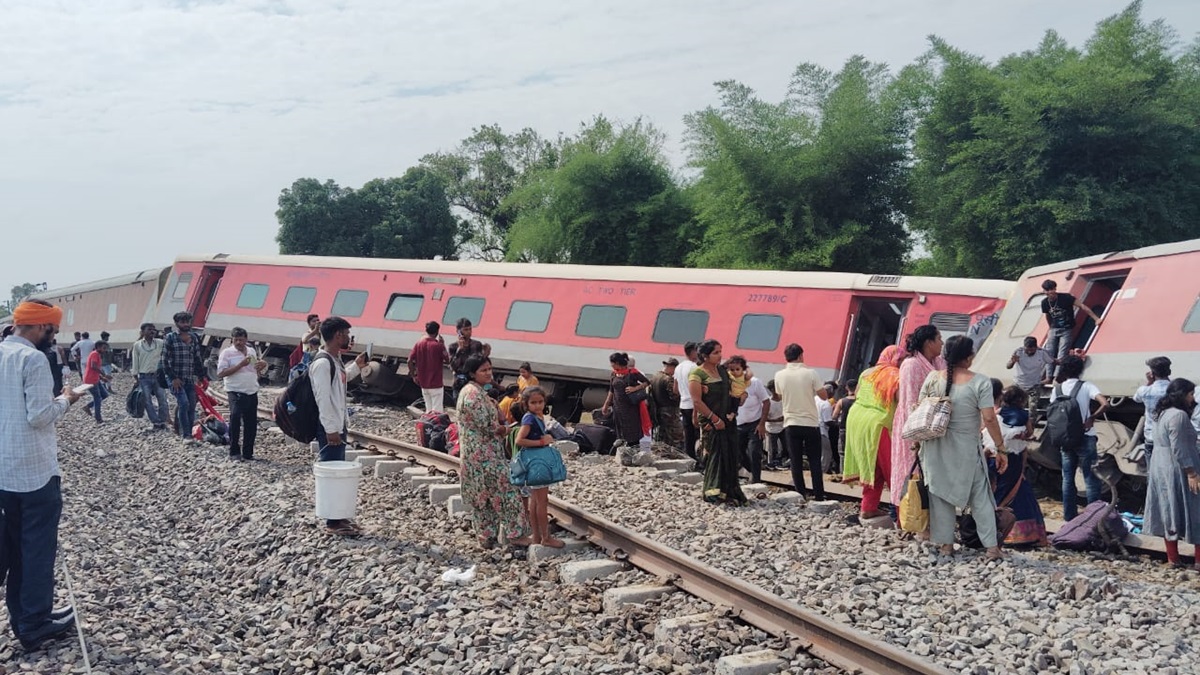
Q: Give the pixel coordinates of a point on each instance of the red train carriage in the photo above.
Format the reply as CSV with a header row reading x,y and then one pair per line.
x,y
1149,303
567,319
118,306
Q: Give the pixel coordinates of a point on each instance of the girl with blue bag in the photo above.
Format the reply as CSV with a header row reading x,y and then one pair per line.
x,y
536,464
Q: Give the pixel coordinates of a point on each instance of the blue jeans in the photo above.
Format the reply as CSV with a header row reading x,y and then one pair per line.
x,y
98,397
154,398
1058,343
185,408
1083,459
29,546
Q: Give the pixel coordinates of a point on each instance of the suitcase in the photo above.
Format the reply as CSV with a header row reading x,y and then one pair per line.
x,y
594,438
1098,528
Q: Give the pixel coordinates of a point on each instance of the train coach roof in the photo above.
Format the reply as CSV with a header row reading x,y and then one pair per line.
x,y
1156,251
765,278
112,282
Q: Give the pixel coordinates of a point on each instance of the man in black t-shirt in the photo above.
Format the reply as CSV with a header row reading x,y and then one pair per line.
x,y
462,349
1059,309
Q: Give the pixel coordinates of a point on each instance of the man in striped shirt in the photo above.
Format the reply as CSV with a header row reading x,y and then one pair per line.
x,y
183,365
30,482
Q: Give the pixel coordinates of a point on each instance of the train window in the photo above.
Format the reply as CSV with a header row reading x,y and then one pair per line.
x,y
677,326
70,317
760,331
1192,324
112,312
348,303
181,286
602,321
299,299
528,316
253,296
1030,315
950,324
404,307
458,307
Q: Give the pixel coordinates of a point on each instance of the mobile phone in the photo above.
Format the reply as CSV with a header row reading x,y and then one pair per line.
x,y
370,350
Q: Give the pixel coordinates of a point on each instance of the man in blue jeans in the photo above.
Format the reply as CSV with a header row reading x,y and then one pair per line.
x,y
30,482
1083,458
1060,309
328,378
147,356
183,365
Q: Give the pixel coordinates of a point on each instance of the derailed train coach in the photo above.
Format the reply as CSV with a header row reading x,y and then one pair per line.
x,y
1148,301
567,319
118,305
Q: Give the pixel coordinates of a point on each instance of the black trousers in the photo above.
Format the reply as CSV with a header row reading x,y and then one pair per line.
x,y
29,549
805,442
243,417
752,449
690,433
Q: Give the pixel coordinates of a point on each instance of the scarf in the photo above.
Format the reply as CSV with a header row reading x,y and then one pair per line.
x,y
885,376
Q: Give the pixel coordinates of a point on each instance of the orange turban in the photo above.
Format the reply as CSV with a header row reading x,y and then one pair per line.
x,y
33,314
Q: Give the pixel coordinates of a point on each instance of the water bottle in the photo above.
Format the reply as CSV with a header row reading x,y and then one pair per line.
x,y
291,408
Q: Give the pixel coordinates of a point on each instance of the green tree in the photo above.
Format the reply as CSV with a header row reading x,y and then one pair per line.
x,y
1058,152
21,291
406,217
480,174
610,201
814,182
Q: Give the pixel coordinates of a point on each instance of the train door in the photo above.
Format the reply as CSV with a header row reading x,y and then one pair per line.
x,y
875,324
1102,290
206,291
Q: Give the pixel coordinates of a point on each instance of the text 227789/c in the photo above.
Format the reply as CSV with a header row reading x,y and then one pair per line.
x,y
767,297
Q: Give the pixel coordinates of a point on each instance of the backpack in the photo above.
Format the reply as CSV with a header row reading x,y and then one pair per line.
x,y
134,405
296,412
1098,528
431,430
1064,421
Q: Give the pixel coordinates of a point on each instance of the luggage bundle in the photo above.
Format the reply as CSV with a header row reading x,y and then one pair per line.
x,y
595,438
1099,527
436,432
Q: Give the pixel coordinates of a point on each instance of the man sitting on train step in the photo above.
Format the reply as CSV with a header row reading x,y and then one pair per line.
x,y
1059,309
425,364
1031,363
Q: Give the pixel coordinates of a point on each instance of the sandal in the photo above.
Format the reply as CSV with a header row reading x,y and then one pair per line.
x,y
520,541
553,543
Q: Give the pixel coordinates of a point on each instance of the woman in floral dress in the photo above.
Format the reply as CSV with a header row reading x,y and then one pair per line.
x,y
494,502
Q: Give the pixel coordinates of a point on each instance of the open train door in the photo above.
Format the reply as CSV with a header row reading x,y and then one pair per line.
x,y
206,291
1102,290
875,323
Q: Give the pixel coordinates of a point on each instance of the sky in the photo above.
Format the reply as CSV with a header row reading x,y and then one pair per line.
x,y
137,130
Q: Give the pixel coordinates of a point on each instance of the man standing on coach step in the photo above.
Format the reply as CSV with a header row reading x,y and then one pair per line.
x,y
328,378
799,388
686,406
1059,309
425,364
30,482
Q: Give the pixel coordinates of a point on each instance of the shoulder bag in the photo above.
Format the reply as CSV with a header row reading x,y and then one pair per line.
x,y
928,420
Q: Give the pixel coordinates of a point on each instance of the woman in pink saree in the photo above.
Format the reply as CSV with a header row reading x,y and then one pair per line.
x,y
924,347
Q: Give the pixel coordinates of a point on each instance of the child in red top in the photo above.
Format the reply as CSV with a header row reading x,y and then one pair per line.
x,y
93,375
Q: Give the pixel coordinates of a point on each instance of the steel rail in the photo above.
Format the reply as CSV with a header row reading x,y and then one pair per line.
x,y
838,644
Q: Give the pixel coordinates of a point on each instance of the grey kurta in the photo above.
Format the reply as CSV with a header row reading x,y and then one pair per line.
x,y
951,464
1170,506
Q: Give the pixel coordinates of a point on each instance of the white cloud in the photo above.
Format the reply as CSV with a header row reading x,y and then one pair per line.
x,y
139,129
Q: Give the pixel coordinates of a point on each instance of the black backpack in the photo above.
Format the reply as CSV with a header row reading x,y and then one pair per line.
x,y
296,411
1064,421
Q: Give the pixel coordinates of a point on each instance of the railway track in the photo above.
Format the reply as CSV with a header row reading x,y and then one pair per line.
x,y
835,643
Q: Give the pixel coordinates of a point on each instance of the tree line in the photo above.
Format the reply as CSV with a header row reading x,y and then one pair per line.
x,y
950,166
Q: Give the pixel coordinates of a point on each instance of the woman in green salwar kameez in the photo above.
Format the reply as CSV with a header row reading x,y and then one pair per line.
x,y
716,413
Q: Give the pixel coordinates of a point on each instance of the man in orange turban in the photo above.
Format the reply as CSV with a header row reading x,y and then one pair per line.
x,y
30,482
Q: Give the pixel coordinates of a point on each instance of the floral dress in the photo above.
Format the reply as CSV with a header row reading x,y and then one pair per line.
x,y
493,500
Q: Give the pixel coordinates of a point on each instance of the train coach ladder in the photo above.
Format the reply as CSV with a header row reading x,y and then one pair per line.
x,y
337,489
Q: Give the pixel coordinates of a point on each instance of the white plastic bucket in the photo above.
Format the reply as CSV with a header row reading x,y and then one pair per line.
x,y
337,489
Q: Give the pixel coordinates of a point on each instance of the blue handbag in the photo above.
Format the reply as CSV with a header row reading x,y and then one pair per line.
x,y
537,467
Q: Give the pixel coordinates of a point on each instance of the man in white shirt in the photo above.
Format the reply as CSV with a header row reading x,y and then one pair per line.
x,y
691,435
30,481
797,384
1149,395
82,349
147,357
240,367
825,415
328,377
751,418
1070,371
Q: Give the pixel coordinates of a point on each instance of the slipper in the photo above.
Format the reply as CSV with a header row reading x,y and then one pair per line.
x,y
345,529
